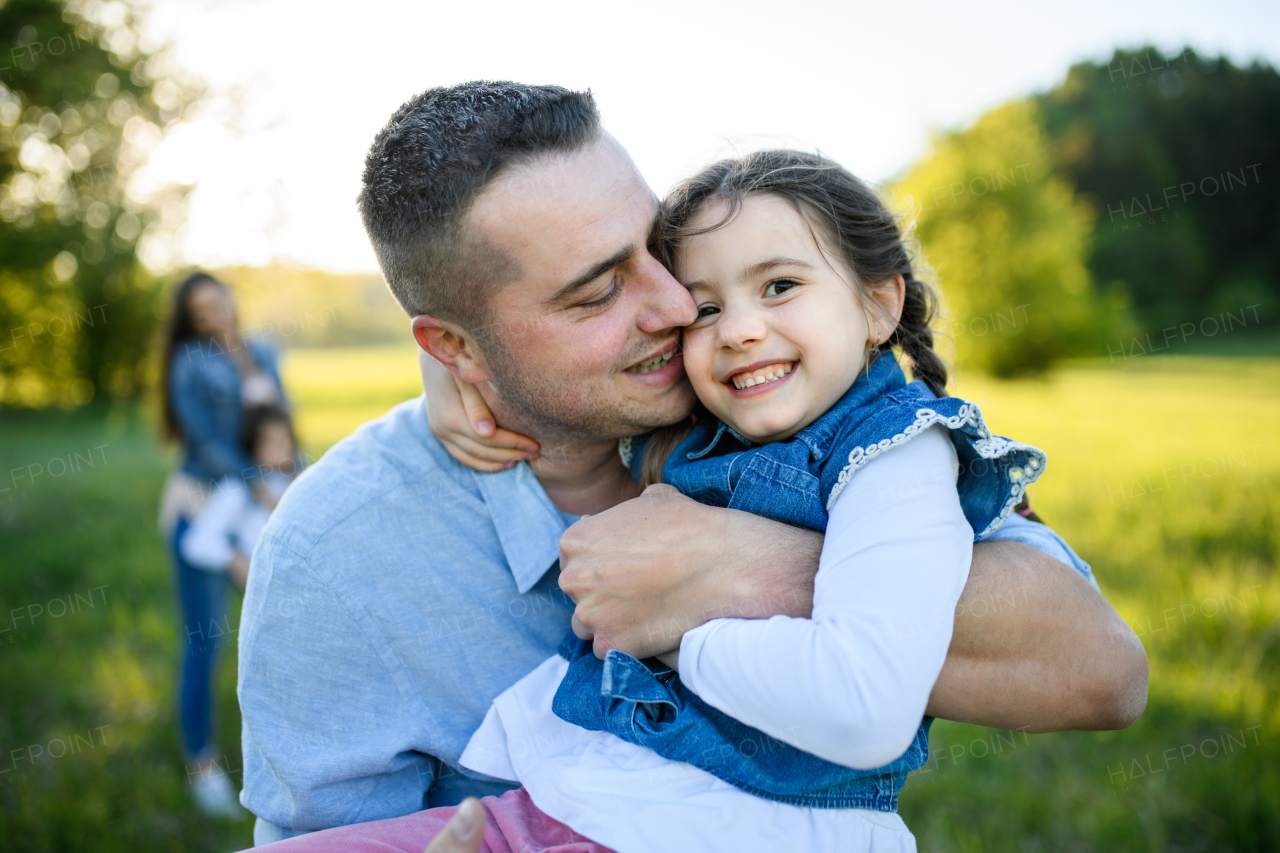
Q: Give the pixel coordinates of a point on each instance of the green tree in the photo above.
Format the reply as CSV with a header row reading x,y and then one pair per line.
x,y
82,103
1177,156
1009,243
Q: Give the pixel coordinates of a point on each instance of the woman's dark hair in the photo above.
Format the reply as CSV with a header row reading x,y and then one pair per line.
x,y
840,209
259,416
178,330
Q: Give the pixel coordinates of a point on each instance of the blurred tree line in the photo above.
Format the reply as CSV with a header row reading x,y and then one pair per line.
x,y
1177,156
83,101
288,306
1132,199
1135,196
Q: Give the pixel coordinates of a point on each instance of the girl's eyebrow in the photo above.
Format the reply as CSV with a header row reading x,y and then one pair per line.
x,y
758,269
773,263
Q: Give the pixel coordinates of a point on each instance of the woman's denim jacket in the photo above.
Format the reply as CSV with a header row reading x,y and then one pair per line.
x,y
796,482
204,386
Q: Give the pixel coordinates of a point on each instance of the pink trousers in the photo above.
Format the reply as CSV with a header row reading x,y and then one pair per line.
x,y
513,824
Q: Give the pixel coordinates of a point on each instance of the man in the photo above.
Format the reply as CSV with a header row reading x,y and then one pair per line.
x,y
396,593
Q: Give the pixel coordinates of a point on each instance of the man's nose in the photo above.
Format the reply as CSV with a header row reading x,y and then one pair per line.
x,y
668,304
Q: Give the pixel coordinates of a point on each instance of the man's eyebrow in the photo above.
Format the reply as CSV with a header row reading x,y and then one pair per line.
x,y
619,257
773,263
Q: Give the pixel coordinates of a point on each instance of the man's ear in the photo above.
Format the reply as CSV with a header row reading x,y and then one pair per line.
x,y
451,346
889,295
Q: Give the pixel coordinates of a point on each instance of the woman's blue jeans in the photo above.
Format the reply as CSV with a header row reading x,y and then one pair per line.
x,y
203,630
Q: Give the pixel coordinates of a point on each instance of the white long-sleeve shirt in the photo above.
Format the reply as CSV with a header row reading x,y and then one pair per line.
x,y
230,521
849,685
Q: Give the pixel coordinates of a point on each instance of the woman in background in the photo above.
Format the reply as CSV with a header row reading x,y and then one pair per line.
x,y
210,377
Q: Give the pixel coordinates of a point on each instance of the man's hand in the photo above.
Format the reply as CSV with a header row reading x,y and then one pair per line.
x,y
464,833
654,567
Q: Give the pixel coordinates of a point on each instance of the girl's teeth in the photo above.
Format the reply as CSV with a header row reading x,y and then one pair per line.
x,y
771,373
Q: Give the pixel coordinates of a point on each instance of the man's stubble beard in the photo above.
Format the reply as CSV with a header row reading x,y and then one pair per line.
x,y
558,415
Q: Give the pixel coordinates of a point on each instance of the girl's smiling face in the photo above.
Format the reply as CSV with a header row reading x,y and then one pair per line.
x,y
781,334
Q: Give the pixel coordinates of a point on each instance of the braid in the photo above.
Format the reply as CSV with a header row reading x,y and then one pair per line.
x,y
914,335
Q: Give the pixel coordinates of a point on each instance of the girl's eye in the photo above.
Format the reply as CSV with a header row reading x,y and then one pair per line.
x,y
779,287
707,311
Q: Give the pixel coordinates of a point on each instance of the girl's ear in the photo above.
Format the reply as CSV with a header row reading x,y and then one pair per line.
x,y
451,346
889,296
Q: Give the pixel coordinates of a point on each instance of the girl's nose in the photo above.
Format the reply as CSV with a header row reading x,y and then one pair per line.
x,y
741,328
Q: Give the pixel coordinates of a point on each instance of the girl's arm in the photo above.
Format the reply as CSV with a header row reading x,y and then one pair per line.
x,y
460,419
851,684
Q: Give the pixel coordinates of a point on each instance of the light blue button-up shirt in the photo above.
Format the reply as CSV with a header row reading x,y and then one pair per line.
x,y
393,595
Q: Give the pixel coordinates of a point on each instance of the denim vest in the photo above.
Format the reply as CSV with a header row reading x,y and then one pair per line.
x,y
204,386
795,481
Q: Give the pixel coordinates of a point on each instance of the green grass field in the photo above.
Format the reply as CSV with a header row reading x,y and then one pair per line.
x,y
1164,475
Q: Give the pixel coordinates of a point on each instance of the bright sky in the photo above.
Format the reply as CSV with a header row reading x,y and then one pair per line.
x,y
679,83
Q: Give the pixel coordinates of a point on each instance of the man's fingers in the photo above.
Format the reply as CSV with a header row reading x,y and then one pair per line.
x,y
464,833
660,490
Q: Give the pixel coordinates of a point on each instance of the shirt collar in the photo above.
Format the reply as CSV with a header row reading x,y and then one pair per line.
x,y
527,523
722,429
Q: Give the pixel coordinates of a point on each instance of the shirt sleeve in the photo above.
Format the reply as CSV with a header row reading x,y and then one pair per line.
x,y
1042,538
851,684
207,542
329,736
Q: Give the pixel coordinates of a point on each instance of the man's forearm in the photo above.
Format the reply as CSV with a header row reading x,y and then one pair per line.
x,y
1036,648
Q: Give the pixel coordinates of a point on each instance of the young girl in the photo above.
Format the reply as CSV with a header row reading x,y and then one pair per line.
x,y
223,534
804,288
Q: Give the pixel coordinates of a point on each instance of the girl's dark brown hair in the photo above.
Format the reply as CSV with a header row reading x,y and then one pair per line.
x,y
840,209
256,418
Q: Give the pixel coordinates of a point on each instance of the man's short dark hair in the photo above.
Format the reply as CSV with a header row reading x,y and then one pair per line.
x,y
431,161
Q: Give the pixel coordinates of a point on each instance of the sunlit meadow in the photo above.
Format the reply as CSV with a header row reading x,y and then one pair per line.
x,y
1163,474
